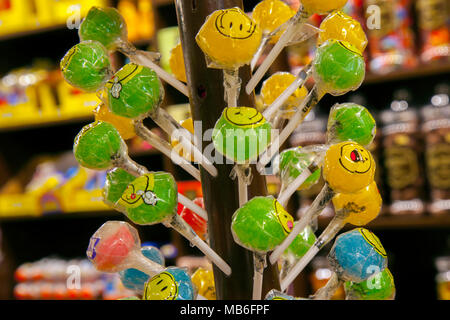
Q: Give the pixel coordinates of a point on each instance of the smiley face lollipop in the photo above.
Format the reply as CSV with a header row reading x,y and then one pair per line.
x,y
355,256
115,246
135,92
229,39
351,122
171,284
380,286
134,279
117,181
358,209
337,69
291,29
151,199
86,66
347,168
259,226
108,27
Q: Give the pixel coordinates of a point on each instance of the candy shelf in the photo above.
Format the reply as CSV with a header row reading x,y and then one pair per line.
x,y
46,121
97,213
401,222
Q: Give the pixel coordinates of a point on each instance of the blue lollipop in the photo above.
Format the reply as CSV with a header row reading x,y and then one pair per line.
x,y
171,284
134,279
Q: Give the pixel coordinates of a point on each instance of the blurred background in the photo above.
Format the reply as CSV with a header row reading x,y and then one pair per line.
x,y
49,207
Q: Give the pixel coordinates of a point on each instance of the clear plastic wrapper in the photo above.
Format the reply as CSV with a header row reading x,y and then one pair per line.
x,y
117,181
203,280
277,295
134,279
351,122
116,246
380,286
171,284
241,134
86,66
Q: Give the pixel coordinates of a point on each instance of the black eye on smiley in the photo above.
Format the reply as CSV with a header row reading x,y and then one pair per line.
x,y
237,27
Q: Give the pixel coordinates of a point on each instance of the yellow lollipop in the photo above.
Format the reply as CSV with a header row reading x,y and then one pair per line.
x,y
348,167
271,14
123,125
229,38
203,280
176,63
322,6
342,27
188,124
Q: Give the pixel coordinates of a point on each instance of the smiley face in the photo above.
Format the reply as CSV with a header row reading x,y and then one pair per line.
x,y
354,159
161,287
244,117
235,24
285,219
373,240
116,83
139,192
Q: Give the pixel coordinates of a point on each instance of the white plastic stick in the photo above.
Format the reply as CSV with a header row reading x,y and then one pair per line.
x,y
278,103
232,85
145,61
145,265
259,52
243,189
258,262
321,201
284,196
298,267
192,206
299,18
164,147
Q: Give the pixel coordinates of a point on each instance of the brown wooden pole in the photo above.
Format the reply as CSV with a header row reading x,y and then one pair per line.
x,y
220,193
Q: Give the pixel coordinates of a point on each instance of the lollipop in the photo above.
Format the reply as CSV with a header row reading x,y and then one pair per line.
x,y
355,256
197,223
117,180
356,208
188,124
203,280
172,284
347,168
115,246
291,28
229,39
99,146
176,63
135,92
151,199
351,122
86,66
123,125
259,226
240,134
134,279
337,69
378,287
298,169
107,26
274,86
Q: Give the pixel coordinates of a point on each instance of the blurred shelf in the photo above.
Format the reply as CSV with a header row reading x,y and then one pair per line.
x,y
40,122
419,71
36,31
401,222
107,213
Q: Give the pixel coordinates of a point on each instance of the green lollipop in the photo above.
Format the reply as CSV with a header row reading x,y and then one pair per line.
x,y
86,66
104,25
117,181
339,67
134,92
379,287
97,145
302,243
351,122
153,198
241,134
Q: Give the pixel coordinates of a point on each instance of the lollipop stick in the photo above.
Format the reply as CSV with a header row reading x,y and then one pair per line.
x,y
186,231
313,211
332,229
259,262
232,85
143,60
192,206
278,103
307,104
130,166
164,147
259,52
326,292
169,124
200,297
299,18
292,187
145,265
